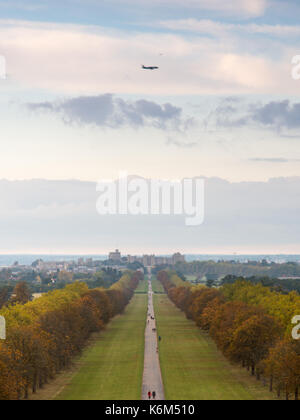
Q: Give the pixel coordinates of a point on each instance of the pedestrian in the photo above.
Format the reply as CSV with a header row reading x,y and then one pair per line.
x,y
159,338
154,395
149,395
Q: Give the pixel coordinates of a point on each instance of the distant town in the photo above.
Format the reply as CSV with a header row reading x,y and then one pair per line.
x,y
43,275
146,260
52,272
89,265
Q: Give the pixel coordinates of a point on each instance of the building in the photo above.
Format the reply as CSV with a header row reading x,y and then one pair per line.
x,y
115,256
152,260
178,258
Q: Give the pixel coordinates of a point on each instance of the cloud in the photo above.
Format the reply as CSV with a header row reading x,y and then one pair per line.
x,y
113,112
86,60
279,115
273,160
60,216
276,115
181,144
234,8
218,29
241,8
248,8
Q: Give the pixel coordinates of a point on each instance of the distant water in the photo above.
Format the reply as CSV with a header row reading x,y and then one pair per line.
x,y
7,260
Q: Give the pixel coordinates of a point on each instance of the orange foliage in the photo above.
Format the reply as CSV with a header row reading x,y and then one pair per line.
x,y
43,336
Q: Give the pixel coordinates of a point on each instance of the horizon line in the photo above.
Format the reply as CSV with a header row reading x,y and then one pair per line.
x,y
148,253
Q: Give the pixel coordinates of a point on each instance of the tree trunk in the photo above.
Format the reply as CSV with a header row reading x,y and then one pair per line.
x,y
34,383
271,384
296,394
41,382
45,378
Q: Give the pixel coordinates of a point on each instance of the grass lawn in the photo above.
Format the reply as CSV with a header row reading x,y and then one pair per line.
x,y
157,287
142,287
192,367
112,368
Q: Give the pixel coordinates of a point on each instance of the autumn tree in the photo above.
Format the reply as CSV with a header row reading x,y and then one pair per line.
x,y
283,367
252,340
4,296
21,294
44,335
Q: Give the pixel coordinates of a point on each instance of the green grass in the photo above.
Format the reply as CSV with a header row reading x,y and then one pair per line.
x,y
192,367
112,368
142,287
157,287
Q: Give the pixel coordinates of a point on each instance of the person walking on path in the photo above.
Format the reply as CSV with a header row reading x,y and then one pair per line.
x,y
154,395
149,395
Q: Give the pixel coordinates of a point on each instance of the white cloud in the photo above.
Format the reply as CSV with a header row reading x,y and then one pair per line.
x,y
215,28
236,8
249,8
89,60
242,8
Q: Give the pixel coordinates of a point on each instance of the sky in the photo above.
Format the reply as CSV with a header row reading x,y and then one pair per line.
x,y
59,217
76,104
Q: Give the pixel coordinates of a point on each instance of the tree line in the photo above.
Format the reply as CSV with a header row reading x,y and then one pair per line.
x,y
283,286
251,268
43,282
21,291
44,335
250,324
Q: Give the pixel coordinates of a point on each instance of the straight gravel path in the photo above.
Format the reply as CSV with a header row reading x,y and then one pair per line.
x,y
152,379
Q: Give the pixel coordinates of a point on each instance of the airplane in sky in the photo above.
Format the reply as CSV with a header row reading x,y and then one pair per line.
x,y
149,67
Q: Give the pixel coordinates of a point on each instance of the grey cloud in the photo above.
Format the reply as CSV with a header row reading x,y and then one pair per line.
x,y
181,144
278,114
45,106
109,111
233,99
274,160
274,115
